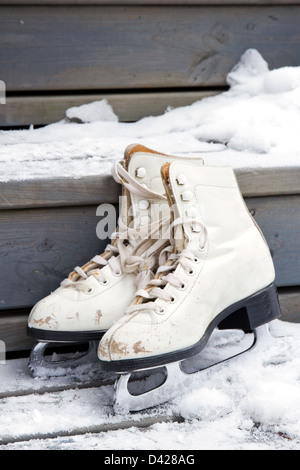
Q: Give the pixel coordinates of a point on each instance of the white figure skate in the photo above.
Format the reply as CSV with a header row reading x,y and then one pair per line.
x,y
219,274
96,295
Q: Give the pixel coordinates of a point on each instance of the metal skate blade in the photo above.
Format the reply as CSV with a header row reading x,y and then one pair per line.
x,y
126,402
40,364
169,381
222,346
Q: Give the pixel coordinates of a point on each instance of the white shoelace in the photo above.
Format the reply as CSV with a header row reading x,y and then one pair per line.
x,y
168,261
134,250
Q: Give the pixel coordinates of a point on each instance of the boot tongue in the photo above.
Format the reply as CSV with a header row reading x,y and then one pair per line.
x,y
180,240
126,201
130,151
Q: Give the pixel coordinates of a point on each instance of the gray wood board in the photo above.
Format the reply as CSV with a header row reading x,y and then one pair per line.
x,y
290,304
13,323
34,193
39,110
13,331
279,219
39,247
149,2
90,190
113,47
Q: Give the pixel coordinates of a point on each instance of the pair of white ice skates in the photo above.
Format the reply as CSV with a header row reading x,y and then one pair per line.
x,y
187,258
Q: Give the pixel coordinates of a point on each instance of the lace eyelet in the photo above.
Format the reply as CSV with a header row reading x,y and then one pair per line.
x,y
118,274
190,273
196,260
104,283
88,292
201,247
182,287
160,310
173,300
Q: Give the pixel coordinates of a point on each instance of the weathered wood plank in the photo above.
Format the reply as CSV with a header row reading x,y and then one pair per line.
x,y
91,190
290,304
13,331
39,247
268,181
128,47
149,2
279,219
26,110
138,422
35,193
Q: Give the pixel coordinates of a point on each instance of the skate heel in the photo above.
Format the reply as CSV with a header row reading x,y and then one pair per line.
x,y
256,310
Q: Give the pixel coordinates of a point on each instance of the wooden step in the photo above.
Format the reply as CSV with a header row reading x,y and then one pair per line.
x,y
96,189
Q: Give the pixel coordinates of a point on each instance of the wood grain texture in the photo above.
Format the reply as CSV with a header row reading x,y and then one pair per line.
x,y
59,192
39,247
279,219
112,47
91,190
289,300
13,331
149,2
273,181
27,110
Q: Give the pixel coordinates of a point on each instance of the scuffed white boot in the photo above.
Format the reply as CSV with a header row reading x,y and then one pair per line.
x,y
96,295
219,273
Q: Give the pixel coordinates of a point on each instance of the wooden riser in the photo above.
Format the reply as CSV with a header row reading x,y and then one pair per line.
x,y
128,47
93,190
26,110
39,247
123,47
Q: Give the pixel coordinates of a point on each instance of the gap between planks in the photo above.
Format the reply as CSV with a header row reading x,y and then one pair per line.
x,y
97,429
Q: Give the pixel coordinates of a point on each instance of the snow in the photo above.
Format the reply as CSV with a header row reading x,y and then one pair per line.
x,y
253,124
92,112
251,402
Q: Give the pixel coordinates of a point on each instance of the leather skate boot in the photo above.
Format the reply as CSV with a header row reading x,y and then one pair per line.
x,y
219,273
96,295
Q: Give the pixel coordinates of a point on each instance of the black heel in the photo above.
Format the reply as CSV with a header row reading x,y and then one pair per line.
x,y
256,310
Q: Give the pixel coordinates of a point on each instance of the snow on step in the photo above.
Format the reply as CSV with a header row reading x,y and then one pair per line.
x,y
17,380
253,124
66,413
256,396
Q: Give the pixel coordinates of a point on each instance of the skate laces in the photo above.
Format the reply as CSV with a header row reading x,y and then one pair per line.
x,y
121,175
133,249
169,260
